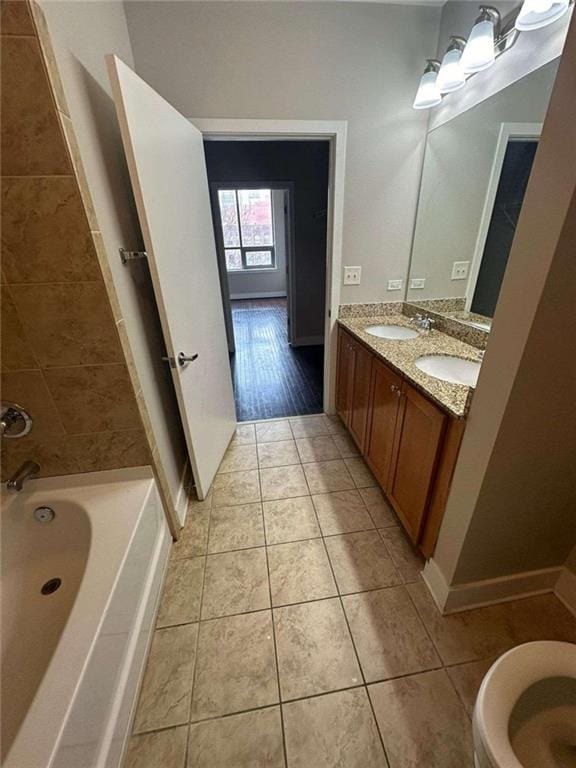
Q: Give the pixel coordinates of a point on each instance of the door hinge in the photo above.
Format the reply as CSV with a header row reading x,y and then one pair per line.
x,y
329,313
126,256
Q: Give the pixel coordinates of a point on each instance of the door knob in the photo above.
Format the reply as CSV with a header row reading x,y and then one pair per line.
x,y
183,359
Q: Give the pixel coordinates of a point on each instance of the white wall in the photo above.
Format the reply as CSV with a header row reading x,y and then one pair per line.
x,y
457,168
262,283
82,33
332,61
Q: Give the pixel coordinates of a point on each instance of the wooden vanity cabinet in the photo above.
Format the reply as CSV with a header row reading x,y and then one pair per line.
x,y
409,443
353,386
386,396
344,376
417,444
361,383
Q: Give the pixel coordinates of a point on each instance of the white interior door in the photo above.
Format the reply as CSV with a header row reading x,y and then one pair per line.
x,y
166,161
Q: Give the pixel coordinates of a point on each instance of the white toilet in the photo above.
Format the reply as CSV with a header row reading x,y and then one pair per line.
x,y
525,712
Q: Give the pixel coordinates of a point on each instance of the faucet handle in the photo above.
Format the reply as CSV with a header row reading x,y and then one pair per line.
x,y
15,421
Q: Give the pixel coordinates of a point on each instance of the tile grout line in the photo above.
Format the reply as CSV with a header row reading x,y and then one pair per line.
x,y
285,752
342,608
291,605
444,666
198,635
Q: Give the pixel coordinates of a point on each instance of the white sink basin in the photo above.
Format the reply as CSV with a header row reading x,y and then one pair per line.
x,y
448,368
391,332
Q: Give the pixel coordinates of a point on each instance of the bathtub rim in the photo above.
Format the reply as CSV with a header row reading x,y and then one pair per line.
x,y
139,484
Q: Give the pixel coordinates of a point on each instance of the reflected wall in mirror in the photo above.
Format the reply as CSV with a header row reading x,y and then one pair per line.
x,y
475,174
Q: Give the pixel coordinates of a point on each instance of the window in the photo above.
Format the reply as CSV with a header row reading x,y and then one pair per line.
x,y
247,228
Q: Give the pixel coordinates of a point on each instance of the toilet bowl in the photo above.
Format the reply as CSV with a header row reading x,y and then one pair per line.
x,y
525,712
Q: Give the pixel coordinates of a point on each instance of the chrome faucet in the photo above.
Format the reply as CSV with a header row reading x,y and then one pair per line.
x,y
22,474
424,321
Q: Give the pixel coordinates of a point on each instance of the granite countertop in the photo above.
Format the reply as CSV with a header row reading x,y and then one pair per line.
x,y
401,355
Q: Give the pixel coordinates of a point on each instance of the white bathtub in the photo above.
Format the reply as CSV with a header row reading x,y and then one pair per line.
x,y
72,659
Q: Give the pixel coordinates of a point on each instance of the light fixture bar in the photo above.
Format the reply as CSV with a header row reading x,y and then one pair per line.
x,y
504,33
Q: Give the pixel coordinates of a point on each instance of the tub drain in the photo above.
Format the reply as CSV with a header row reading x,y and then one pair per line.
x,y
51,586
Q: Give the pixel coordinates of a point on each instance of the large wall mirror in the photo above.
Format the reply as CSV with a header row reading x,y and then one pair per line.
x,y
476,169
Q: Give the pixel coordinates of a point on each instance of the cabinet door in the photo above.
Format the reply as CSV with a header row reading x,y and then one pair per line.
x,y
419,435
362,371
386,391
344,376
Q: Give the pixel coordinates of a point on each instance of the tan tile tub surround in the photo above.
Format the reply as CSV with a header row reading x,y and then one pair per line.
x,y
401,355
64,353
322,632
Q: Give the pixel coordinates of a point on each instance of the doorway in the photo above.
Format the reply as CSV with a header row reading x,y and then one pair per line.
x,y
516,169
334,132
511,167
271,240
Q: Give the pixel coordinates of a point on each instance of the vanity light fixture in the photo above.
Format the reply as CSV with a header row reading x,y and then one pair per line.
x,y
490,37
451,75
479,52
535,14
428,94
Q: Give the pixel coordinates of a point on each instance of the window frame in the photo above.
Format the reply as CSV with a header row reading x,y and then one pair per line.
x,y
244,249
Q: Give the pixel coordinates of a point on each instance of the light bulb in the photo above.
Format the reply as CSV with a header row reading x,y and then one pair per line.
x,y
428,94
479,51
451,75
535,14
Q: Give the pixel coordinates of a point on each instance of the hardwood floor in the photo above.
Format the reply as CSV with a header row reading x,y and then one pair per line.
x,y
271,379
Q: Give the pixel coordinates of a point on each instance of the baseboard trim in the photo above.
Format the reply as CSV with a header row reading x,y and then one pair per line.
x,y
436,583
565,589
307,341
183,492
262,295
476,594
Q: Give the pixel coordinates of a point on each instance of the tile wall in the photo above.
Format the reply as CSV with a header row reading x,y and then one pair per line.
x,y
65,355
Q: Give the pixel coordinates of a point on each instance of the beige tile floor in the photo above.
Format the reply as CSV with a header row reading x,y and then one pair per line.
x,y
294,629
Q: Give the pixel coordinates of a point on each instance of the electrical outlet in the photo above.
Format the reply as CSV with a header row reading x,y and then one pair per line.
x,y
460,270
352,275
417,282
394,285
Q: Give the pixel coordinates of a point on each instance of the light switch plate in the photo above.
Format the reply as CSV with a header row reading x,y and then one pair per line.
x,y
394,285
352,275
417,282
460,270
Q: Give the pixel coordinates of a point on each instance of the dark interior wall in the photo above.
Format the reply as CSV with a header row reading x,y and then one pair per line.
x,y
514,177
306,165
